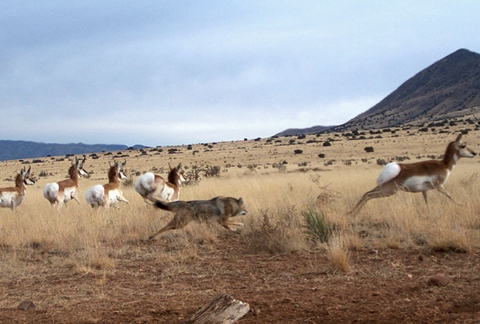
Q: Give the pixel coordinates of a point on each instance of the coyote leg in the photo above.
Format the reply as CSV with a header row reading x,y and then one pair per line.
x,y
226,222
180,220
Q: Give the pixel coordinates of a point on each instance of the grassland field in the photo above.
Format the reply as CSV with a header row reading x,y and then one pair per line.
x,y
279,185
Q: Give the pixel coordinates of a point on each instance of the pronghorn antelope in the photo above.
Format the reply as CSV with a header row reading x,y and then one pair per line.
x,y
108,194
152,187
63,191
12,197
419,176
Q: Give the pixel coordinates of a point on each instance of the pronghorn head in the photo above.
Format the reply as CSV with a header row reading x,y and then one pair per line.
x,y
79,167
25,175
119,168
462,149
175,176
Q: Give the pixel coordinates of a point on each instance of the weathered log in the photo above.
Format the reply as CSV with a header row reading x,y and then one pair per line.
x,y
223,309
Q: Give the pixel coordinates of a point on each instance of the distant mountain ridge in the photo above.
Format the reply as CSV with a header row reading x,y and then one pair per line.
x,y
300,131
448,88
13,150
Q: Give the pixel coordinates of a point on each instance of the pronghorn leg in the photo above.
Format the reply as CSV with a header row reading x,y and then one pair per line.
x,y
76,199
424,193
376,192
121,198
445,192
148,201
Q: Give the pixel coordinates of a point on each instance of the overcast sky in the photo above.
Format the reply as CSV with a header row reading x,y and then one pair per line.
x,y
186,72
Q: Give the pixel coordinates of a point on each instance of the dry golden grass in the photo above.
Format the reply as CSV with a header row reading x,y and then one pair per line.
x,y
91,241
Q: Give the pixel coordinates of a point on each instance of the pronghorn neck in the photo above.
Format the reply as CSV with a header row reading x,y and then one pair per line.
x,y
19,182
173,177
73,173
113,174
451,156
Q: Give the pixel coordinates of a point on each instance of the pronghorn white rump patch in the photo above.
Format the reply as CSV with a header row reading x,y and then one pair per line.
x,y
94,195
144,183
389,171
50,191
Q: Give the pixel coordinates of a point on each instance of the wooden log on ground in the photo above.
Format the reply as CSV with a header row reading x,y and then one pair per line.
x,y
223,309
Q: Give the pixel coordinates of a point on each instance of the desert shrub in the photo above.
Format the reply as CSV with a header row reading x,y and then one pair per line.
x,y
369,149
281,166
192,176
212,171
127,182
276,234
381,162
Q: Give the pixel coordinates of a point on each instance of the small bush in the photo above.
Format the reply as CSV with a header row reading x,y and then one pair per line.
x,y
369,149
276,234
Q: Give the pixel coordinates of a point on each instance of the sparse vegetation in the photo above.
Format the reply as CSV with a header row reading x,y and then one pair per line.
x,y
291,216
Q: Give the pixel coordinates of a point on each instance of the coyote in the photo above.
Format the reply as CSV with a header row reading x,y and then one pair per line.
x,y
219,209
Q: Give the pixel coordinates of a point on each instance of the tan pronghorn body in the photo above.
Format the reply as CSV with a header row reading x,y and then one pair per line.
x,y
63,191
108,194
417,177
12,197
152,187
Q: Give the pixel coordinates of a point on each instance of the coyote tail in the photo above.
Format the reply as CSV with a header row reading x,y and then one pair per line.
x,y
166,206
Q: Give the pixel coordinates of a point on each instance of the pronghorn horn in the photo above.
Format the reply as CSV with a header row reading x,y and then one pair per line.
x,y
179,166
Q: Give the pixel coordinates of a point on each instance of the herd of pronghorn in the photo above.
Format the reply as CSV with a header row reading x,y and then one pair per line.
x,y
150,186
412,177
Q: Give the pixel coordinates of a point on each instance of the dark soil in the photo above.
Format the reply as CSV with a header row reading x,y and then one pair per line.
x,y
386,286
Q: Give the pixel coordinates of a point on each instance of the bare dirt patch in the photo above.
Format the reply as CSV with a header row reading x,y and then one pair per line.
x,y
383,286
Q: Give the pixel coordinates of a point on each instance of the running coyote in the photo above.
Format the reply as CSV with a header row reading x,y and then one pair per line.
x,y
219,209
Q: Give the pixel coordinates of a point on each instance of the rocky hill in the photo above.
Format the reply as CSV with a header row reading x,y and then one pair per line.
x,y
449,88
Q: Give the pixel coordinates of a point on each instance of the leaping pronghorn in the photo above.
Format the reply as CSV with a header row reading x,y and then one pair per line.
x,y
63,191
417,177
152,187
12,197
108,194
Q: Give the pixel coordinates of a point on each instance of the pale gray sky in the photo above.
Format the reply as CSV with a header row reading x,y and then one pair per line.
x,y
185,72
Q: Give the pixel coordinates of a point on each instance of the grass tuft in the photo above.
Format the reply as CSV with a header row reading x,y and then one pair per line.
x,y
317,227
